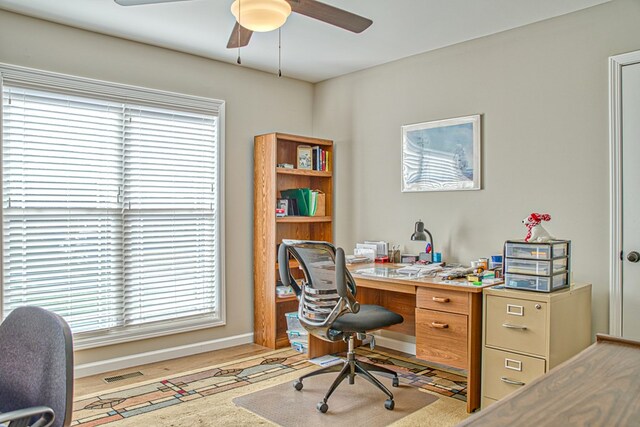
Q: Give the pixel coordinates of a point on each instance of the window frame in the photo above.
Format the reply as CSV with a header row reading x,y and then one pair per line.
x,y
45,80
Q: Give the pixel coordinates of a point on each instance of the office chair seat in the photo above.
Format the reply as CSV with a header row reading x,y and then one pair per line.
x,y
369,318
36,369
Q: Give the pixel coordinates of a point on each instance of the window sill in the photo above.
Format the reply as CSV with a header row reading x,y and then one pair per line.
x,y
84,341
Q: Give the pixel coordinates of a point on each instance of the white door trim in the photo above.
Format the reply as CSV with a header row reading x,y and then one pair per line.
x,y
615,218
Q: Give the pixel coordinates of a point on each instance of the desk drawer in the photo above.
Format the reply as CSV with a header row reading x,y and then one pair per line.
x,y
516,324
506,372
441,337
443,300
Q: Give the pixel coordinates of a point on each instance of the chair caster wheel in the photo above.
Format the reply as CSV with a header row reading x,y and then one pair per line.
x,y
323,407
389,404
396,382
297,385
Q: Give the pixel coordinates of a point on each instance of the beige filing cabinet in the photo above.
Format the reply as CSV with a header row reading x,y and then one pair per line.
x,y
525,334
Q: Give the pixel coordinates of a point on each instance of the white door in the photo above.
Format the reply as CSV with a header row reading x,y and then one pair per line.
x,y
630,162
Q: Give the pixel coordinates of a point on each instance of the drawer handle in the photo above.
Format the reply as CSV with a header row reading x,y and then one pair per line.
x,y
510,381
440,299
510,326
439,325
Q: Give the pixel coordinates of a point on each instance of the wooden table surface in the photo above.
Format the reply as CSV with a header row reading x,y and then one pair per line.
x,y
598,387
404,283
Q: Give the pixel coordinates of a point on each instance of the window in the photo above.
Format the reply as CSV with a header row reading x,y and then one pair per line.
x,y
111,206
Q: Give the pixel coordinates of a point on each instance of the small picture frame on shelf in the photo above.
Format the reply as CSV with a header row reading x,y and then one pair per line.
x,y
305,156
283,204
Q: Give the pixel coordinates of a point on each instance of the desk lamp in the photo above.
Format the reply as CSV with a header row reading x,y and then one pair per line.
x,y
420,233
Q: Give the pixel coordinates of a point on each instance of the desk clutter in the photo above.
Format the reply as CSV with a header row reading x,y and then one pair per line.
x,y
480,272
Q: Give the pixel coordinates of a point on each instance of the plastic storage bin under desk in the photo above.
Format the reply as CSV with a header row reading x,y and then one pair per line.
x,y
300,346
536,283
293,323
296,335
535,267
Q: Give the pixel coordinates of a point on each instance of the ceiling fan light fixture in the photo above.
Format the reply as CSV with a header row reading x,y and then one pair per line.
x,y
261,15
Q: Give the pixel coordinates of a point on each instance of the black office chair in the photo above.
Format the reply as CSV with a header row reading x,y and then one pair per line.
x,y
36,369
328,309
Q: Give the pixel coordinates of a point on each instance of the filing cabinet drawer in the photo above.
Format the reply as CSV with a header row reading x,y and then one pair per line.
x,y
506,372
515,324
443,300
441,337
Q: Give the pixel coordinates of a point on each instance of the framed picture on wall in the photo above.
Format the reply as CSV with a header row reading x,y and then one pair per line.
x,y
441,155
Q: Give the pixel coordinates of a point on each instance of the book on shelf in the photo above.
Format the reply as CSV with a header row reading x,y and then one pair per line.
x,y
316,155
320,159
302,198
304,201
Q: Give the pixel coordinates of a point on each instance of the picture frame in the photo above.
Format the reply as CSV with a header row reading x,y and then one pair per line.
x,y
442,155
284,204
305,157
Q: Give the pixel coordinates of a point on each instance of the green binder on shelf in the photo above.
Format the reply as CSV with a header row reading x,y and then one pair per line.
x,y
302,197
313,204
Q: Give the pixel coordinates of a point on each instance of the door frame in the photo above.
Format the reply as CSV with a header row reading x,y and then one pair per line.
x,y
615,160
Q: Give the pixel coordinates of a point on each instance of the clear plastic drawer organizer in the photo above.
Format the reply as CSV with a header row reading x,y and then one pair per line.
x,y
541,267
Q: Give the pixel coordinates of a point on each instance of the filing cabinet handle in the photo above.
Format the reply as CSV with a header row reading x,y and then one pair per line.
x,y
439,325
510,381
440,299
510,326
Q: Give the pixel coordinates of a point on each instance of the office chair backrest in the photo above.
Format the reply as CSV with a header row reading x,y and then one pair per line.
x,y
36,363
327,291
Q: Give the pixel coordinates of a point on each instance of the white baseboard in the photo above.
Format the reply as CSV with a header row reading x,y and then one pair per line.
x,y
93,368
406,347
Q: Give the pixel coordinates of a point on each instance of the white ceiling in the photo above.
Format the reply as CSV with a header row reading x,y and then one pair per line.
x,y
311,50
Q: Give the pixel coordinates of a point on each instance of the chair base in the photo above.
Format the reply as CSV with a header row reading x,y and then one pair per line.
x,y
350,369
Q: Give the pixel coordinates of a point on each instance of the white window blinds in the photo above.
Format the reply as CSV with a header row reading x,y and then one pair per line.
x,y
110,210
169,217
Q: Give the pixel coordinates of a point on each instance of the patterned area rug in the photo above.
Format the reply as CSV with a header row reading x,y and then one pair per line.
x,y
151,396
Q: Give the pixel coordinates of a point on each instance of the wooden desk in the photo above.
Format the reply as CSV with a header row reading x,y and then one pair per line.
x,y
598,387
444,316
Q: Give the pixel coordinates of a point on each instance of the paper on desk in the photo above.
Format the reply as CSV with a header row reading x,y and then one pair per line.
x,y
420,269
353,259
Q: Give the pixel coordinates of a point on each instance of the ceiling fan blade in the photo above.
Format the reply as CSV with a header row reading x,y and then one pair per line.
x,y
245,36
331,15
141,2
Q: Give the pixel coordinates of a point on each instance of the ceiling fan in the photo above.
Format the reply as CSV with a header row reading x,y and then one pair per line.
x,y
280,10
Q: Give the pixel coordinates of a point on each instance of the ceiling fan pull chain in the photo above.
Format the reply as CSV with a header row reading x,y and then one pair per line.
x,y
239,61
279,52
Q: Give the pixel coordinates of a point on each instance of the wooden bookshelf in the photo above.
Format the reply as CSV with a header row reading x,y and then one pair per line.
x,y
270,326
307,219
286,171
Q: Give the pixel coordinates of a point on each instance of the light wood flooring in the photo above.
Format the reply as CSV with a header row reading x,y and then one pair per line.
x,y
96,383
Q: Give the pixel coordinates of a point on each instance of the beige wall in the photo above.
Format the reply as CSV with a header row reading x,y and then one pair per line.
x,y
542,91
256,103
